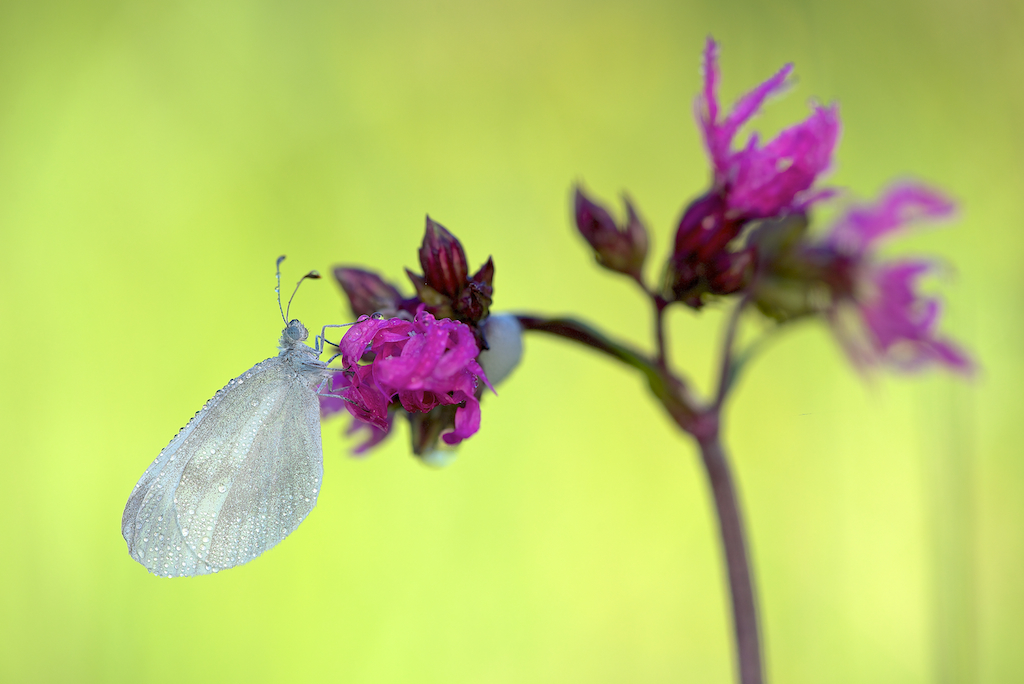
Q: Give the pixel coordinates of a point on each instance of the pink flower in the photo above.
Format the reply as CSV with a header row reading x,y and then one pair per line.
x,y
897,325
375,436
420,364
862,226
763,181
750,183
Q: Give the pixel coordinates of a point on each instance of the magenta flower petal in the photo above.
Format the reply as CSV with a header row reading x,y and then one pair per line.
x,y
358,337
462,351
375,437
763,181
877,310
417,359
422,364
864,225
329,405
467,421
899,324
419,400
364,398
718,137
769,179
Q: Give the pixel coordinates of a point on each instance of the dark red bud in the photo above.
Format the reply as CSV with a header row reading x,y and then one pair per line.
x,y
445,268
485,276
474,302
701,219
636,234
428,295
706,227
593,221
367,292
622,251
733,271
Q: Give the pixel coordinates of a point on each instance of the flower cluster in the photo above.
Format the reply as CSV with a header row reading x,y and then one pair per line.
x,y
421,356
429,356
748,234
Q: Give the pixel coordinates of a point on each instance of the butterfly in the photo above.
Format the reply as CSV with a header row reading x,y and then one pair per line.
x,y
243,473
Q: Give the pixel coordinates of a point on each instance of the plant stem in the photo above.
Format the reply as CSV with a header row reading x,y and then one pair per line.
x,y
741,586
659,329
704,425
669,389
727,371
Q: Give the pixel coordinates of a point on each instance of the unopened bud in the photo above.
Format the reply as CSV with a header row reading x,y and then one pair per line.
x,y
367,292
732,271
621,250
444,261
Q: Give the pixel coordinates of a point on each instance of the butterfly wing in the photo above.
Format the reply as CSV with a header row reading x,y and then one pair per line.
x,y
238,478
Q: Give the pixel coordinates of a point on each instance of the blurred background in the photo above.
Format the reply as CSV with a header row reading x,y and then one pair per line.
x,y
156,157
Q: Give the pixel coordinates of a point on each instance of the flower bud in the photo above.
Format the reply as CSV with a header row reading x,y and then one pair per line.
x,y
702,229
732,271
444,261
473,303
446,286
621,250
367,292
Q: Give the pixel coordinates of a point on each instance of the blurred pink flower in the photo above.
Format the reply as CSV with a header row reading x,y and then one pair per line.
x,y
897,325
750,183
763,181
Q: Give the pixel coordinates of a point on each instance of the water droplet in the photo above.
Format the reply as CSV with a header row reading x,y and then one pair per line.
x,y
184,533
222,489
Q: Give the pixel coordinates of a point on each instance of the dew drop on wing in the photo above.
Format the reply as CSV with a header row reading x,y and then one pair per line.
x,y
231,462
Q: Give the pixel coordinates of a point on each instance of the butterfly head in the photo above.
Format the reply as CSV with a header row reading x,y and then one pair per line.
x,y
294,334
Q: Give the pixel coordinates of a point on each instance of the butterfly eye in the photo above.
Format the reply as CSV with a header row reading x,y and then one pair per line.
x,y
296,331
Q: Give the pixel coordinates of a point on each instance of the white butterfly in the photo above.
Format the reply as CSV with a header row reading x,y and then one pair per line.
x,y
242,474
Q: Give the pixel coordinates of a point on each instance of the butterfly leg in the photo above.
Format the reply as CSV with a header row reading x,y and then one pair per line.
x,y
320,391
321,341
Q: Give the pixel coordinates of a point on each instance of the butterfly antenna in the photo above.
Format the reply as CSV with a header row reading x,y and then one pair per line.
x,y
312,275
278,289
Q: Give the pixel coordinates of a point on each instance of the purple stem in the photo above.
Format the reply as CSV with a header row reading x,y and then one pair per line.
x,y
741,585
703,424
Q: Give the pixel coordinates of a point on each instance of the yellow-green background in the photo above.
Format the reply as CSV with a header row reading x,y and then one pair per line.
x,y
155,157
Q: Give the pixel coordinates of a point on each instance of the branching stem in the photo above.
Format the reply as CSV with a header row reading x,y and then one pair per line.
x,y
703,423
